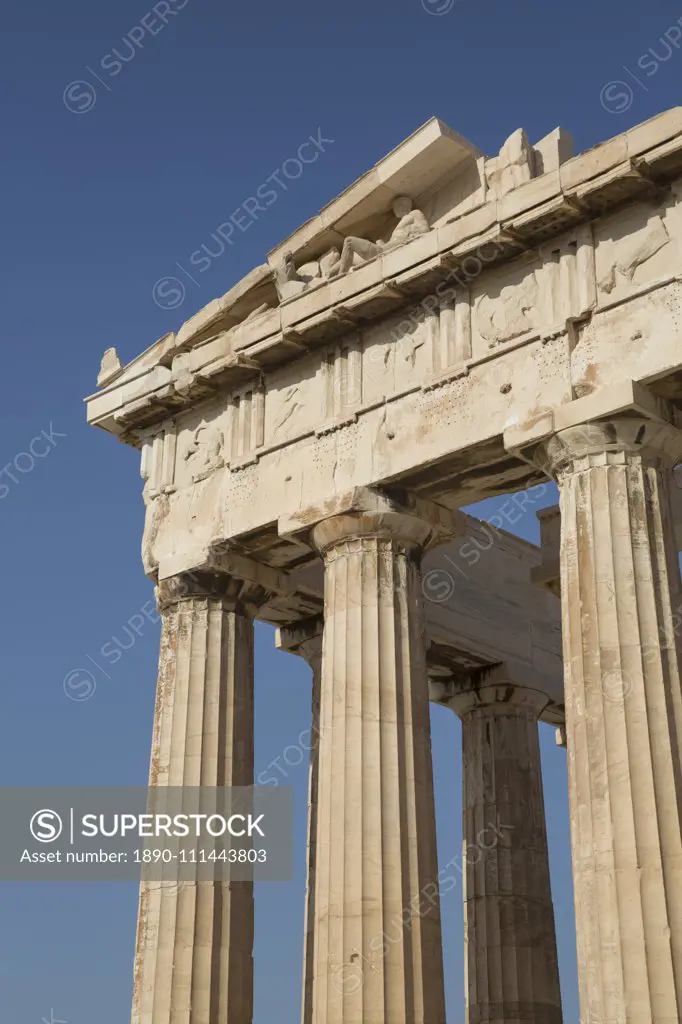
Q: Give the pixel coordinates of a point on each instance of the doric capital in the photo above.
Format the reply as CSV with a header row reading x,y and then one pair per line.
x,y
392,515
493,692
236,595
610,442
407,531
372,516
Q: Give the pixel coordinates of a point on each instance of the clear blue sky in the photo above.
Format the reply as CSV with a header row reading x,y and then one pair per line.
x,y
97,206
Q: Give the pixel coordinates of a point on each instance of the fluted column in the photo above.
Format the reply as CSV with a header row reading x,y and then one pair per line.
x,y
512,974
621,603
311,650
193,960
378,956
306,641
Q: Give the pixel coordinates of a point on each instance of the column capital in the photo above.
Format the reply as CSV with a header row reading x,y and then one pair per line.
x,y
610,441
494,693
236,595
404,529
392,514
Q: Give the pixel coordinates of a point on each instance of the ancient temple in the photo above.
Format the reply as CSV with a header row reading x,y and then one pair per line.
x,y
452,327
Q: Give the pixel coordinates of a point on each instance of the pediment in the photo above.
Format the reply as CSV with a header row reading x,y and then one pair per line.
x,y
429,157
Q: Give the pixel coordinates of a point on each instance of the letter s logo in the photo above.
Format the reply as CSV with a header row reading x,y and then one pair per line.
x,y
46,826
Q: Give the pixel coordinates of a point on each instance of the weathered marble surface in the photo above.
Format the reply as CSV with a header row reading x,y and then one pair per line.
x,y
424,355
621,598
525,325
512,972
194,947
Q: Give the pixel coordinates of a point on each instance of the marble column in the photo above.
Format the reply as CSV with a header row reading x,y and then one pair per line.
x,y
512,974
193,960
378,955
621,608
306,641
311,650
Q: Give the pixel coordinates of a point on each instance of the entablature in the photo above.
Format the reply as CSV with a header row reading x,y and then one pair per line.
x,y
247,333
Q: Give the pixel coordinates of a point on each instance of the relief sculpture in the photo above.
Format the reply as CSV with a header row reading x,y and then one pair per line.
x,y
510,314
411,224
290,407
205,452
155,517
291,280
636,255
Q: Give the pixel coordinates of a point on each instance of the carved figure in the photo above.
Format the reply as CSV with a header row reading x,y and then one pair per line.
x,y
291,406
512,313
411,224
287,280
328,261
656,237
206,448
291,281
157,510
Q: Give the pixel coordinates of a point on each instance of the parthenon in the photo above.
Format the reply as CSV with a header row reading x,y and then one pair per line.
x,y
452,327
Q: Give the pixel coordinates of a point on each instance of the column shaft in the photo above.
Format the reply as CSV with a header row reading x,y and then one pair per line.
x,y
193,960
620,598
378,957
512,973
311,650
